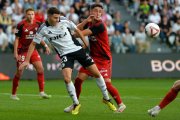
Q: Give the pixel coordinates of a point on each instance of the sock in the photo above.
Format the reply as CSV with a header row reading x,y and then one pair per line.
x,y
71,90
40,78
78,85
15,84
170,96
114,92
101,84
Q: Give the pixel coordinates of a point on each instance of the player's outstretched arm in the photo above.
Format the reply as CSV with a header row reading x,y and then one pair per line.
x,y
29,53
79,33
83,23
15,48
48,51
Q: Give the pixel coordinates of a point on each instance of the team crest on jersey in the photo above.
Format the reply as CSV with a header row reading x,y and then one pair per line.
x,y
26,30
31,32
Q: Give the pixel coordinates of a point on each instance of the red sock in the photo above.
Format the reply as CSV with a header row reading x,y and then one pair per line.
x,y
40,78
15,84
78,86
170,96
114,92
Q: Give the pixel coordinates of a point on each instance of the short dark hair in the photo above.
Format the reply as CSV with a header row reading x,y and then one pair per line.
x,y
29,9
53,10
92,6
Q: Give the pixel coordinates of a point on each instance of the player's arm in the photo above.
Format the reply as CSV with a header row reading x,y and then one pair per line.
x,y
79,33
84,23
28,56
46,47
16,42
94,30
18,34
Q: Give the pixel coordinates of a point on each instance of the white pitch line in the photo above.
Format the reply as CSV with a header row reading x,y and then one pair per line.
x,y
94,96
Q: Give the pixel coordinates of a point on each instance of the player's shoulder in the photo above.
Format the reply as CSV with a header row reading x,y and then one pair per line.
x,y
22,22
100,23
43,26
37,22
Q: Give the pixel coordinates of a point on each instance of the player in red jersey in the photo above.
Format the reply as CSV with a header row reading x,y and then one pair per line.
x,y
26,30
170,96
99,51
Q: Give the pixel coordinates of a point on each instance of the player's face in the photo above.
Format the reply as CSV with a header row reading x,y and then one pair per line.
x,y
54,19
97,12
30,16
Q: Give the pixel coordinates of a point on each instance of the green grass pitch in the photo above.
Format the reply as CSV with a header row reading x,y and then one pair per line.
x,y
138,95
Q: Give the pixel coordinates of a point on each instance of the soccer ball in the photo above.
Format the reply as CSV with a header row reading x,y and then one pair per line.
x,y
152,30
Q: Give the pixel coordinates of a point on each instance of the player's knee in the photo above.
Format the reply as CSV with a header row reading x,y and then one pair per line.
x,y
67,79
40,70
176,85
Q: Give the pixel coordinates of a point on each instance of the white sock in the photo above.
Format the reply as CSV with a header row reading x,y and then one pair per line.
x,y
101,84
72,92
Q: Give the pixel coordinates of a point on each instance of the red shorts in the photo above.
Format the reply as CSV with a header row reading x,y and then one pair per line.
x,y
34,57
105,68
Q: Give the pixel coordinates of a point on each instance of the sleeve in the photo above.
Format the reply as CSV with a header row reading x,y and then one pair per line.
x,y
97,29
71,25
39,36
18,32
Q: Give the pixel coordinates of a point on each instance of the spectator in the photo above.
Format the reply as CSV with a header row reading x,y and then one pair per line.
x,y
129,41
165,30
117,21
144,10
3,40
39,15
142,43
5,19
117,43
72,15
177,42
16,6
154,17
11,39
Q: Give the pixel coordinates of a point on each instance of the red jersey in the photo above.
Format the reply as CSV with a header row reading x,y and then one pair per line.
x,y
99,42
25,32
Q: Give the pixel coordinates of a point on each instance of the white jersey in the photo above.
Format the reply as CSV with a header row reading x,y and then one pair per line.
x,y
59,36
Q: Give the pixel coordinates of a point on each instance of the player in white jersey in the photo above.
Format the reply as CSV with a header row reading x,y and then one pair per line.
x,y
58,33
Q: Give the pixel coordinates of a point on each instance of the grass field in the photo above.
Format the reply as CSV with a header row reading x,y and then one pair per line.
x,y
138,95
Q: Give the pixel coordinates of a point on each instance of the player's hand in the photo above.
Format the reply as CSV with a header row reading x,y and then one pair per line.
x,y
16,57
48,51
23,65
90,18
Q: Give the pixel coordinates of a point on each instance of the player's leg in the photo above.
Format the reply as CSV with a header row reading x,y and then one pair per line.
x,y
71,89
101,84
87,62
105,69
115,94
40,78
79,81
37,63
170,96
78,85
15,84
17,77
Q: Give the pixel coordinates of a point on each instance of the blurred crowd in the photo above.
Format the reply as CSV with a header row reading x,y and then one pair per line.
x,y
166,13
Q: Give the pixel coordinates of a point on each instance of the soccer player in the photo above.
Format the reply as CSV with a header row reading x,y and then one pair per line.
x,y
100,52
58,32
170,96
26,30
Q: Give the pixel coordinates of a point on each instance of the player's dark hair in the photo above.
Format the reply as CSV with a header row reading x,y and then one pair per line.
x,y
92,6
53,10
29,9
